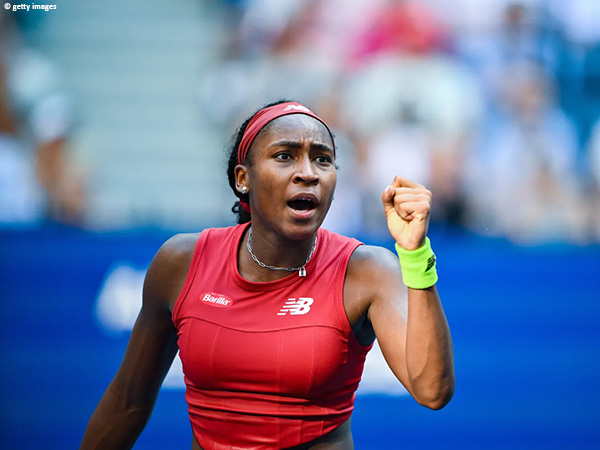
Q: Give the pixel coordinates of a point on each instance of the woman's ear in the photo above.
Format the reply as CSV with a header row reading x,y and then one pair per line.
x,y
241,179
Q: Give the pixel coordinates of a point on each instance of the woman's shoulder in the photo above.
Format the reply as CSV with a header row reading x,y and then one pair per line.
x,y
168,269
372,262
175,256
177,248
180,248
373,272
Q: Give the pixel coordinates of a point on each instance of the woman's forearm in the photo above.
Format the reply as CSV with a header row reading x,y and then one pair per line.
x,y
429,356
115,424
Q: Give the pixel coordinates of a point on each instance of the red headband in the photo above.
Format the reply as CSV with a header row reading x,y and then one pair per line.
x,y
263,117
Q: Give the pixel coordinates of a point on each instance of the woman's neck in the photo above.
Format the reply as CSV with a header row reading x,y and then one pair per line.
x,y
264,255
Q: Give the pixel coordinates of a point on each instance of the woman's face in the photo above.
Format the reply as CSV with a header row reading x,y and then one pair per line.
x,y
292,176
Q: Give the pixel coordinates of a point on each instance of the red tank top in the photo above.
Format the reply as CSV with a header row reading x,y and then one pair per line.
x,y
267,365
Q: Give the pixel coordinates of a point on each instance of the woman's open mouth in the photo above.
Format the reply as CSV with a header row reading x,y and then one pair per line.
x,y
302,204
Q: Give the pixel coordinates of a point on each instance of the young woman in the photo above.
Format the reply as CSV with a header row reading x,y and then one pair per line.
x,y
274,317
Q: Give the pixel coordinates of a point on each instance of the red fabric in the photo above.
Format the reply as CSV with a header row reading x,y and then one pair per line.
x,y
264,116
258,376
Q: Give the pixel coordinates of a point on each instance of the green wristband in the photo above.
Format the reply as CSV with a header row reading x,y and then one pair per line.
x,y
418,266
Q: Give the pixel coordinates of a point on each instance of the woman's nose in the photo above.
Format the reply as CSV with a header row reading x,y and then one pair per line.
x,y
305,171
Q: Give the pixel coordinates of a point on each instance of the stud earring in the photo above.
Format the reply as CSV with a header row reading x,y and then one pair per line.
x,y
244,190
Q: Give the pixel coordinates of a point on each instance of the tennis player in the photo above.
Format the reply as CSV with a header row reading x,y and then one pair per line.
x,y
274,317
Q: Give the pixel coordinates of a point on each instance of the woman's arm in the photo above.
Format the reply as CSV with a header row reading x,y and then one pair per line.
x,y
411,329
125,407
415,338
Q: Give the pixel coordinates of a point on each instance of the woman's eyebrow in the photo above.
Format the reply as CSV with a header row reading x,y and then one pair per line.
x,y
297,144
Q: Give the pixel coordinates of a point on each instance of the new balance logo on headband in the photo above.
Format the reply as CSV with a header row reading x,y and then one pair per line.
x,y
264,116
295,307
296,108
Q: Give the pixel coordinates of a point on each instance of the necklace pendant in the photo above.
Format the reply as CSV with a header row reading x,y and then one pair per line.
x,y
301,270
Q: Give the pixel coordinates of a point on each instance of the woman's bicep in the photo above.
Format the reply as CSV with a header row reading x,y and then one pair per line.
x,y
151,349
128,401
153,342
413,334
388,317
388,308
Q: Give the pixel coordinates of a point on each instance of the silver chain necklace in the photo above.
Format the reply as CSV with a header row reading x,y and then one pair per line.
x,y
301,270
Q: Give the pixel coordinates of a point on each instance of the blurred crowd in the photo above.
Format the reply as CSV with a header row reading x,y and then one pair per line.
x,y
494,105
38,182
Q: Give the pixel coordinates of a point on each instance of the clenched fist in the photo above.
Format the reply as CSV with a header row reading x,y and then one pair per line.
x,y
407,206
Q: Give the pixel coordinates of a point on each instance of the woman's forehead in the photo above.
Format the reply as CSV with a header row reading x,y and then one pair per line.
x,y
296,126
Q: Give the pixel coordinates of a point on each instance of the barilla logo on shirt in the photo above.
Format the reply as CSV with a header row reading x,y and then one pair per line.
x,y
215,299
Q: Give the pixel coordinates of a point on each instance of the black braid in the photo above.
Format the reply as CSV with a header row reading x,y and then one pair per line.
x,y
236,139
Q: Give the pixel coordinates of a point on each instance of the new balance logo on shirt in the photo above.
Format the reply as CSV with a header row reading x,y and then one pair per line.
x,y
295,307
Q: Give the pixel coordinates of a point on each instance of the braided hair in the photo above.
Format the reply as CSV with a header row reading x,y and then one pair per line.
x,y
236,139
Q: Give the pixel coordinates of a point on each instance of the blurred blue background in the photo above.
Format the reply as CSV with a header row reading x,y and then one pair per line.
x,y
114,123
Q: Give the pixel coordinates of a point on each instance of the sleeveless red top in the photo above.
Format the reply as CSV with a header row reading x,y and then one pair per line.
x,y
267,365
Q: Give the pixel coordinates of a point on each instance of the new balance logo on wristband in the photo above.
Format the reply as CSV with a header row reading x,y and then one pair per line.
x,y
295,307
430,262
412,262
